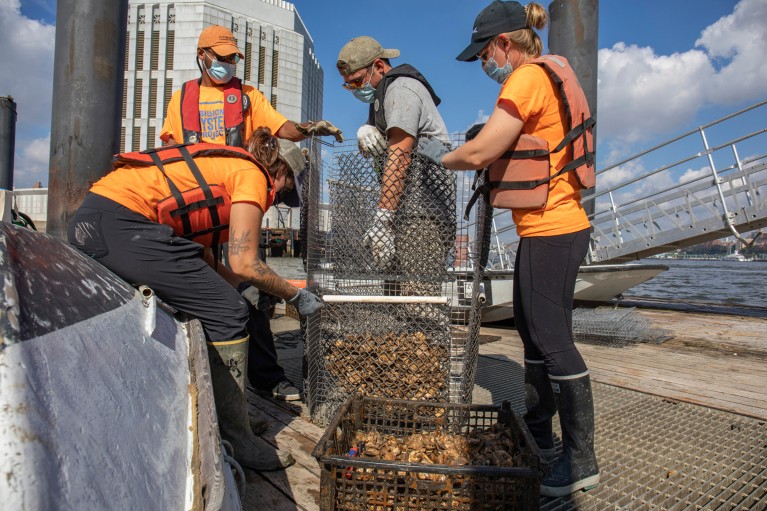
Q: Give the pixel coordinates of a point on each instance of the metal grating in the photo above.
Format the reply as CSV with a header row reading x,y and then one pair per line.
x,y
399,327
654,453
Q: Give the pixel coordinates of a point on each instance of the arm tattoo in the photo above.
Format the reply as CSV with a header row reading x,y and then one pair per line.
x,y
238,242
266,279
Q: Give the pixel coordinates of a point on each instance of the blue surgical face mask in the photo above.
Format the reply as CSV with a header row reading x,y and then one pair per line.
x,y
220,72
499,74
366,93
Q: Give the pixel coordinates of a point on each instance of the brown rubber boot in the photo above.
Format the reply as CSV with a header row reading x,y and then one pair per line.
x,y
228,362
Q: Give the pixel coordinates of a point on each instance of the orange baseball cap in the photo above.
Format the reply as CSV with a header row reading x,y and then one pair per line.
x,y
220,40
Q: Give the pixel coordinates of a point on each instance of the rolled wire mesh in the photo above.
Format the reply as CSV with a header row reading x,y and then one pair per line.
x,y
425,249
614,327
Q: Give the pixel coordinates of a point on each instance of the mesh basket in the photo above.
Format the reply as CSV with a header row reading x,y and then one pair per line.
x,y
400,286
361,482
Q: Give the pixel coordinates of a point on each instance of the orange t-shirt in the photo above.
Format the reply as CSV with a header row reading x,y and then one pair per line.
x,y
539,104
260,113
140,188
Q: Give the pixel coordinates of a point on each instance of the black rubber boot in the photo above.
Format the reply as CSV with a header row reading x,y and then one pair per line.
x,y
577,468
228,361
541,407
259,422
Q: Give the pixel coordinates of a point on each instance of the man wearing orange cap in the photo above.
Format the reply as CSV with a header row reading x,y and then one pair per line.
x,y
220,109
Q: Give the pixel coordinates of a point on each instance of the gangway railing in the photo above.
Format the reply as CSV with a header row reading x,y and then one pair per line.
x,y
718,189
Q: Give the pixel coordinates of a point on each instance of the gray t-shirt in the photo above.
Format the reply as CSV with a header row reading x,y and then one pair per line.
x,y
429,188
409,107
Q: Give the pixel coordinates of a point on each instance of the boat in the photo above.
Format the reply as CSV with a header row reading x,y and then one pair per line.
x,y
735,256
106,398
594,283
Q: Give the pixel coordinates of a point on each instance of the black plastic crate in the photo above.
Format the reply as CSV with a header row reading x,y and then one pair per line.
x,y
351,483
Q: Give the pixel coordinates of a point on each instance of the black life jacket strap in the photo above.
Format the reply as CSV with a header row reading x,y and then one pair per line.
x,y
481,190
206,191
574,133
174,191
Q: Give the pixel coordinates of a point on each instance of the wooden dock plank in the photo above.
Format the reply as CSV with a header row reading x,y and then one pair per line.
x,y
698,364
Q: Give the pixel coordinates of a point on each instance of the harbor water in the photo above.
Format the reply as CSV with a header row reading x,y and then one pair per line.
x,y
718,282
698,283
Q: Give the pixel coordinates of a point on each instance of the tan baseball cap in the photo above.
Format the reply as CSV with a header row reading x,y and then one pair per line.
x,y
361,52
220,40
296,160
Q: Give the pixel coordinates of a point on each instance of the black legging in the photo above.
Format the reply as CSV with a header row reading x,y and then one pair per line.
x,y
145,252
544,283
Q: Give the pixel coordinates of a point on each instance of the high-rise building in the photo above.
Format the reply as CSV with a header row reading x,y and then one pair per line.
x,y
161,54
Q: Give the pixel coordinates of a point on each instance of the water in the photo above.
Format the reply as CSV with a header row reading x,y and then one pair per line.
x,y
721,283
730,286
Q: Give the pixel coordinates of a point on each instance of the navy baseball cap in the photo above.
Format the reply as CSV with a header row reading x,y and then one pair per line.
x,y
497,18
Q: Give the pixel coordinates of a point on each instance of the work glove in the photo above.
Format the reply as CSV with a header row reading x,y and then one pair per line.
x,y
370,141
380,239
432,149
306,302
319,129
259,299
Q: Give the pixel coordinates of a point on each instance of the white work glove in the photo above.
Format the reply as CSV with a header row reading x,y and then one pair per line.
x,y
306,302
259,299
380,239
370,141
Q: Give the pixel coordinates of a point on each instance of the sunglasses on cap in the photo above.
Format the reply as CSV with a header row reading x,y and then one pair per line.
x,y
229,59
357,83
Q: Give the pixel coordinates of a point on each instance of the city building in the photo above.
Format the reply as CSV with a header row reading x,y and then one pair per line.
x,y
161,54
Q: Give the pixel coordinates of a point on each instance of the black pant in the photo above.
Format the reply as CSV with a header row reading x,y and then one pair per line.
x,y
264,372
544,284
145,252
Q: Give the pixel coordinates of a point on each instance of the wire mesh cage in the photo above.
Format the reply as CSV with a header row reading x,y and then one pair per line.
x,y
389,251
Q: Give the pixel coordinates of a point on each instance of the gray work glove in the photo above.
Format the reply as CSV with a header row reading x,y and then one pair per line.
x,y
380,239
432,149
306,302
259,299
472,132
370,141
319,129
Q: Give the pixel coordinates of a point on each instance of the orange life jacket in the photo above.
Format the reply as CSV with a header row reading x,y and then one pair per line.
x,y
200,214
520,178
235,102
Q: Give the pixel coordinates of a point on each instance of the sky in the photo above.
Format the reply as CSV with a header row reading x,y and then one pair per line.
x,y
664,66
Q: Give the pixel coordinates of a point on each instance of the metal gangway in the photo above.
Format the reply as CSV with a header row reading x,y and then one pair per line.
x,y
656,201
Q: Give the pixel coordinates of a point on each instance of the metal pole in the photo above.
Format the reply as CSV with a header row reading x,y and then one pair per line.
x,y
87,101
573,33
7,141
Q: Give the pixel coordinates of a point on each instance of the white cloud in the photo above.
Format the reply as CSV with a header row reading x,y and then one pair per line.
x,y
693,174
482,117
741,39
642,94
27,63
31,162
